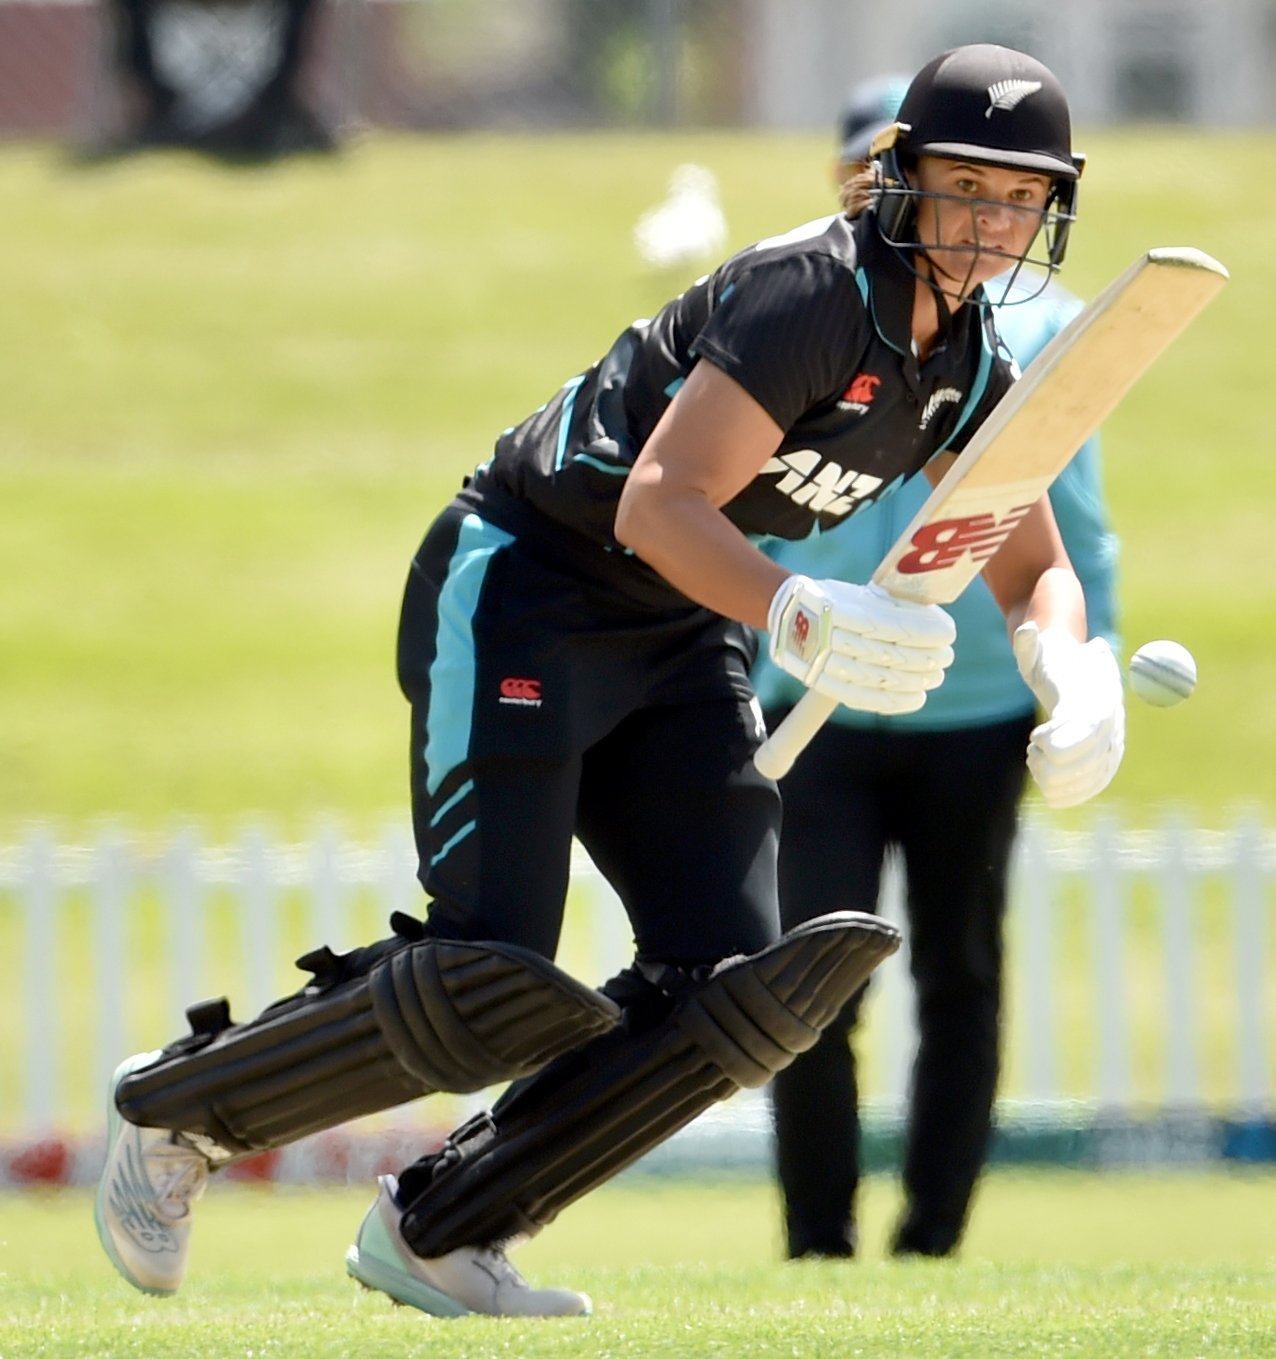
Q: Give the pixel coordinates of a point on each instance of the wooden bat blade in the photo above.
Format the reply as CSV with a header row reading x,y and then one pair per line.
x,y
1063,397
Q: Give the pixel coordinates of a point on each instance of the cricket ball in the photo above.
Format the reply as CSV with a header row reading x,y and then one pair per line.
x,y
1162,673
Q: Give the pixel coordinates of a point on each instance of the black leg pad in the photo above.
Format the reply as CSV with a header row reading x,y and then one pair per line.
x,y
421,1017
597,1110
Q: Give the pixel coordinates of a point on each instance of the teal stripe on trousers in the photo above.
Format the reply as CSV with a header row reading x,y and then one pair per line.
x,y
450,715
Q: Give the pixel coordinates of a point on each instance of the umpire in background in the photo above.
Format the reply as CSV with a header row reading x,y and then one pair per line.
x,y
942,787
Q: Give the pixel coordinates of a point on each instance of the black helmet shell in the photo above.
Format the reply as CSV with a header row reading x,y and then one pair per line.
x,y
990,105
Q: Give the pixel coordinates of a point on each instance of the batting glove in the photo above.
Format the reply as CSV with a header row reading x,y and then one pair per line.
x,y
1077,751
859,646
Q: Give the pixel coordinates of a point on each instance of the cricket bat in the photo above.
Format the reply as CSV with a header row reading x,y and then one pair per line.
x,y
1064,395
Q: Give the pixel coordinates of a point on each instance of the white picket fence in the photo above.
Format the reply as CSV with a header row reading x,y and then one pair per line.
x,y
1152,954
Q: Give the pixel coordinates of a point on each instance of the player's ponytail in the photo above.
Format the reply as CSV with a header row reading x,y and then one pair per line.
x,y
857,193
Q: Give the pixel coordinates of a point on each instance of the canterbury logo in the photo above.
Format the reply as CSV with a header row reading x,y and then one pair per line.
x,y
1007,94
523,693
941,396
942,544
821,486
859,395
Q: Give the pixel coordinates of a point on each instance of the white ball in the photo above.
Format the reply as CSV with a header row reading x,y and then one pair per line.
x,y
1162,673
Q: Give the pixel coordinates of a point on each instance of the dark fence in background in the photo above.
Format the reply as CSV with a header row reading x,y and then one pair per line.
x,y
412,64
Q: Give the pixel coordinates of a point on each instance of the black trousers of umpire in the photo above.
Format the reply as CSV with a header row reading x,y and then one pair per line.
x,y
948,800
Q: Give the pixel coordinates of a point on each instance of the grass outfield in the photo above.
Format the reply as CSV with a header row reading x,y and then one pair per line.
x,y
1055,1265
231,402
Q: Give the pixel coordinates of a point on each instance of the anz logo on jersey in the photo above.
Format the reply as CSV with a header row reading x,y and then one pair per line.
x,y
822,487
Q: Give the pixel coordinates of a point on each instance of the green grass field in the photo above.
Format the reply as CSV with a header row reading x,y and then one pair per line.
x,y
1176,1267
232,400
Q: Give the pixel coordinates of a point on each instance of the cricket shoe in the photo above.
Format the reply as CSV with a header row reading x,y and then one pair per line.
x,y
143,1207
471,1279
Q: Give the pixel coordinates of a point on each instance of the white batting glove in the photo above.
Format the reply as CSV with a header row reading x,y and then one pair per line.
x,y
858,645
1077,751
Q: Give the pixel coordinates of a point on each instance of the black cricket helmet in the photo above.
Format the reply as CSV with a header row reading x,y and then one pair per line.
x,y
988,105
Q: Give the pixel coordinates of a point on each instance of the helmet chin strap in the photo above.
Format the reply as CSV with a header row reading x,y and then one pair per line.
x,y
954,289
943,300
934,276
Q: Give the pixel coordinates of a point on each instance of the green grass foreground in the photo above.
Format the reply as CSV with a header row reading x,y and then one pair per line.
x,y
1055,1265
232,400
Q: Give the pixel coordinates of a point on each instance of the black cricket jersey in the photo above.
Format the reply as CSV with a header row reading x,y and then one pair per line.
x,y
816,326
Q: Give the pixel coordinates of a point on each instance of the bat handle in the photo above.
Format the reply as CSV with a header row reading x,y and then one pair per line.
x,y
776,754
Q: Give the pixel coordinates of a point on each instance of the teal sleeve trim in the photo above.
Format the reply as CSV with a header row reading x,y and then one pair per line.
x,y
565,424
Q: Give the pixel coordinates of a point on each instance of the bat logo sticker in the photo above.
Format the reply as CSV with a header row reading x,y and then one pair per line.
x,y
943,543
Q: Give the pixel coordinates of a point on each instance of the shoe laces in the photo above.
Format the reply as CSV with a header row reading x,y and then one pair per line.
x,y
494,1261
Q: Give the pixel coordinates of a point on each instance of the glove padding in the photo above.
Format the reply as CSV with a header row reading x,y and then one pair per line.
x,y
858,645
1077,751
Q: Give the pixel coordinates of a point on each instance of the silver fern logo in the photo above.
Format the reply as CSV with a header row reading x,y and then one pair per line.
x,y
1006,94
942,396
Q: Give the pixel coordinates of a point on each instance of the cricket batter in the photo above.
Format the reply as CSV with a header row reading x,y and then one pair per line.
x,y
575,644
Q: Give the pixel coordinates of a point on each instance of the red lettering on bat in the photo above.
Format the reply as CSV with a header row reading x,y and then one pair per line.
x,y
939,545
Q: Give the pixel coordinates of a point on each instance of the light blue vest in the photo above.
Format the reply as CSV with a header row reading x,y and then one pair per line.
x,y
983,684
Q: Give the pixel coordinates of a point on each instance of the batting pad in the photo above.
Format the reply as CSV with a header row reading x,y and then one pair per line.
x,y
598,1110
426,1016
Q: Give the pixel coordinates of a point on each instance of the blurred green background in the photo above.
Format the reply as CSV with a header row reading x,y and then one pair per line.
x,y
232,399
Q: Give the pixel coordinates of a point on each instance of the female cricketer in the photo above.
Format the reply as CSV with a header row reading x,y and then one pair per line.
x,y
575,645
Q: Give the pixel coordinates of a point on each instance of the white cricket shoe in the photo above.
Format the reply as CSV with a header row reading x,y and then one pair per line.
x,y
143,1207
467,1280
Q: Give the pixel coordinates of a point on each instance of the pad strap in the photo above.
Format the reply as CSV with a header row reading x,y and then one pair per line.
x,y
424,1016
